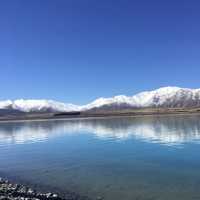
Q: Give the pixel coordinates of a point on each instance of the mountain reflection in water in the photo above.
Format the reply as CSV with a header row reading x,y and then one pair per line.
x,y
167,130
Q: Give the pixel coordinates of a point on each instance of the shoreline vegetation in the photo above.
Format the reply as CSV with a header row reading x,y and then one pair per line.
x,y
100,114
10,190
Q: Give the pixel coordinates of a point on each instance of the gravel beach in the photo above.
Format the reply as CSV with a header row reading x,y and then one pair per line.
x,y
14,191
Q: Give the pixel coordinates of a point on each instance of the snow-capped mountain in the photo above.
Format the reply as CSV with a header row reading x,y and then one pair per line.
x,y
163,97
37,106
172,97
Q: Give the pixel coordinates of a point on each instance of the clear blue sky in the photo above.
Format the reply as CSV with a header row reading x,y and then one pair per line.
x,y
78,50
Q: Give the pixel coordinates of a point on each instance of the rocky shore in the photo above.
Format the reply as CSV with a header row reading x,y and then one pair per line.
x,y
13,191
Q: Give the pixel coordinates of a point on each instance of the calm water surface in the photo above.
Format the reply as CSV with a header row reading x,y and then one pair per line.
x,y
119,159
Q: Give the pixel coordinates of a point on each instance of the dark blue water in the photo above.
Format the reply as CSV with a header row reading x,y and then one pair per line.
x,y
117,158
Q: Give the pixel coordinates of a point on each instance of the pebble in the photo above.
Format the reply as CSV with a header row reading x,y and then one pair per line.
x,y
11,191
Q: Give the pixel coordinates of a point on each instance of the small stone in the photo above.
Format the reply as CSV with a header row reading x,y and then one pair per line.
x,y
54,195
99,198
22,190
48,195
30,191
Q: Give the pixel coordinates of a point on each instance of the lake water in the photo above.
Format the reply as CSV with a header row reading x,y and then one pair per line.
x,y
116,158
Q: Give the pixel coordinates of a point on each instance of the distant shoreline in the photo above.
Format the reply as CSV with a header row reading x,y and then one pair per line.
x,y
97,115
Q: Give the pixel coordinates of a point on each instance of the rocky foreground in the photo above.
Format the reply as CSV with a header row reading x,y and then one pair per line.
x,y
13,191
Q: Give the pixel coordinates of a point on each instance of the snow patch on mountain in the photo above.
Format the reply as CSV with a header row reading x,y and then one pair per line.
x,y
5,104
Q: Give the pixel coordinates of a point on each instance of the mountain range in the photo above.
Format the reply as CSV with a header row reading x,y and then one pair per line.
x,y
165,97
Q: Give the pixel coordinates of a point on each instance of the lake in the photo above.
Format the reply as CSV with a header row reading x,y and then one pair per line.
x,y
116,158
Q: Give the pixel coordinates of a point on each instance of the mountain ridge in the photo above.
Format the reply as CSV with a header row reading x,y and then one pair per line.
x,y
165,97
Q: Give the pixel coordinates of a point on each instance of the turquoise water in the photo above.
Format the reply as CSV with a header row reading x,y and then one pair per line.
x,y
116,158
